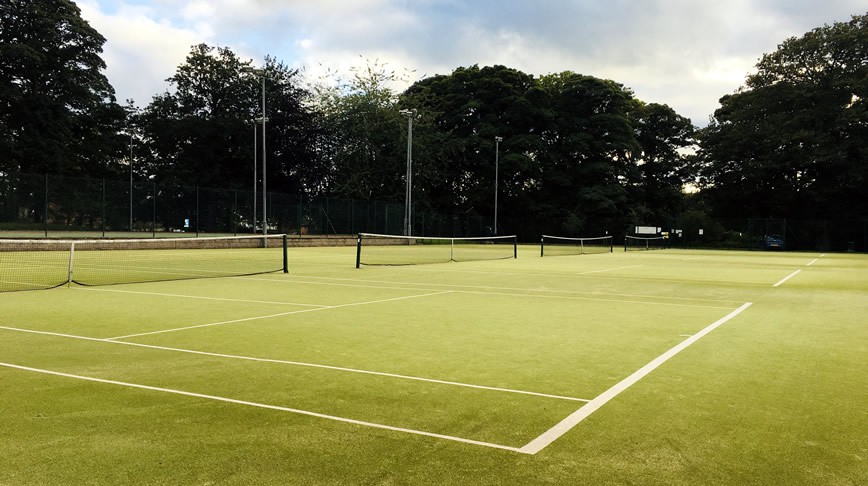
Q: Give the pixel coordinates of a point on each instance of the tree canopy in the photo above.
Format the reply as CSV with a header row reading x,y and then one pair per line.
x,y
792,141
567,152
57,110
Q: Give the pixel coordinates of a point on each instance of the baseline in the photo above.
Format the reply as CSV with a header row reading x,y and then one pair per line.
x,y
266,406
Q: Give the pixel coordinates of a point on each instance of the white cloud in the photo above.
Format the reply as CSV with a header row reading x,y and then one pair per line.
x,y
141,49
684,53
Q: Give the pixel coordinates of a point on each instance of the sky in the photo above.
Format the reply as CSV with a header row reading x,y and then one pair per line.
x,y
682,53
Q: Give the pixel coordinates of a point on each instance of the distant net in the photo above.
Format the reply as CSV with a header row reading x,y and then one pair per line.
x,y
632,243
560,245
42,264
373,249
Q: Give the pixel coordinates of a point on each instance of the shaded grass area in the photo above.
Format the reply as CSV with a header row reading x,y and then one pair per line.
x,y
776,396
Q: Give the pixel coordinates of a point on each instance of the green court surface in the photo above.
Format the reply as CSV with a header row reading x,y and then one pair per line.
x,y
648,367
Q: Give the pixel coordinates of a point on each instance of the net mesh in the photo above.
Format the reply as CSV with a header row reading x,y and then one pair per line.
x,y
642,243
41,264
33,265
415,250
559,245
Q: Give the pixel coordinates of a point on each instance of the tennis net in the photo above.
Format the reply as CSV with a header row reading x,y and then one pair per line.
x,y
561,245
373,249
645,243
43,264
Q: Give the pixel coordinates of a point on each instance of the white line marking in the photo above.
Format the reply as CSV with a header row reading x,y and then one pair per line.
x,y
266,406
812,262
595,299
159,294
296,363
279,314
573,419
403,285
517,293
608,269
787,278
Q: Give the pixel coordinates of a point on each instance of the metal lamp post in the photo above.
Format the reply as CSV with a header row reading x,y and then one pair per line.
x,y
408,201
255,177
261,73
497,141
131,181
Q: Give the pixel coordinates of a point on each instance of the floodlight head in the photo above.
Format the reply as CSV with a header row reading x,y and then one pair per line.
x,y
252,70
406,112
498,139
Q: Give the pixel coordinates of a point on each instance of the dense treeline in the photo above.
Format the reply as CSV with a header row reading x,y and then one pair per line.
x,y
577,154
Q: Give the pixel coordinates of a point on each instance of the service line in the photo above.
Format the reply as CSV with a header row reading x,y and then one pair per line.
x,y
608,270
295,363
518,291
263,405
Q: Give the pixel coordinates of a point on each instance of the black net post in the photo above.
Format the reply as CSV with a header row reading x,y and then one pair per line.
x,y
359,251
515,247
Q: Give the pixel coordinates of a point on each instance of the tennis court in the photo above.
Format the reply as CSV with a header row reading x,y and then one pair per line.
x,y
525,369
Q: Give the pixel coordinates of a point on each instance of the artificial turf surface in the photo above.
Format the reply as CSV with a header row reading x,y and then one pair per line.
x,y
776,395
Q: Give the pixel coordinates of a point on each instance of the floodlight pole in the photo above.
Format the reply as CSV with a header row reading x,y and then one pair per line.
x,y
255,178
255,121
497,141
408,201
131,181
261,73
264,172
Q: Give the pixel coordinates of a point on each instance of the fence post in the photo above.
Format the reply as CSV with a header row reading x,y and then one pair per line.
x,y
45,214
298,211
154,210
103,207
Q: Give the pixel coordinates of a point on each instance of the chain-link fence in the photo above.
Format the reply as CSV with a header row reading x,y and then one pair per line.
x,y
40,205
59,206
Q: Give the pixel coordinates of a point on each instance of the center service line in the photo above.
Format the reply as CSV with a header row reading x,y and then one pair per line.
x,y
280,314
573,419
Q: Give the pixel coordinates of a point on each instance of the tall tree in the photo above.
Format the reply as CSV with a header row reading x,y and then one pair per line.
x,y
793,142
57,110
590,146
662,165
361,133
202,132
460,116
